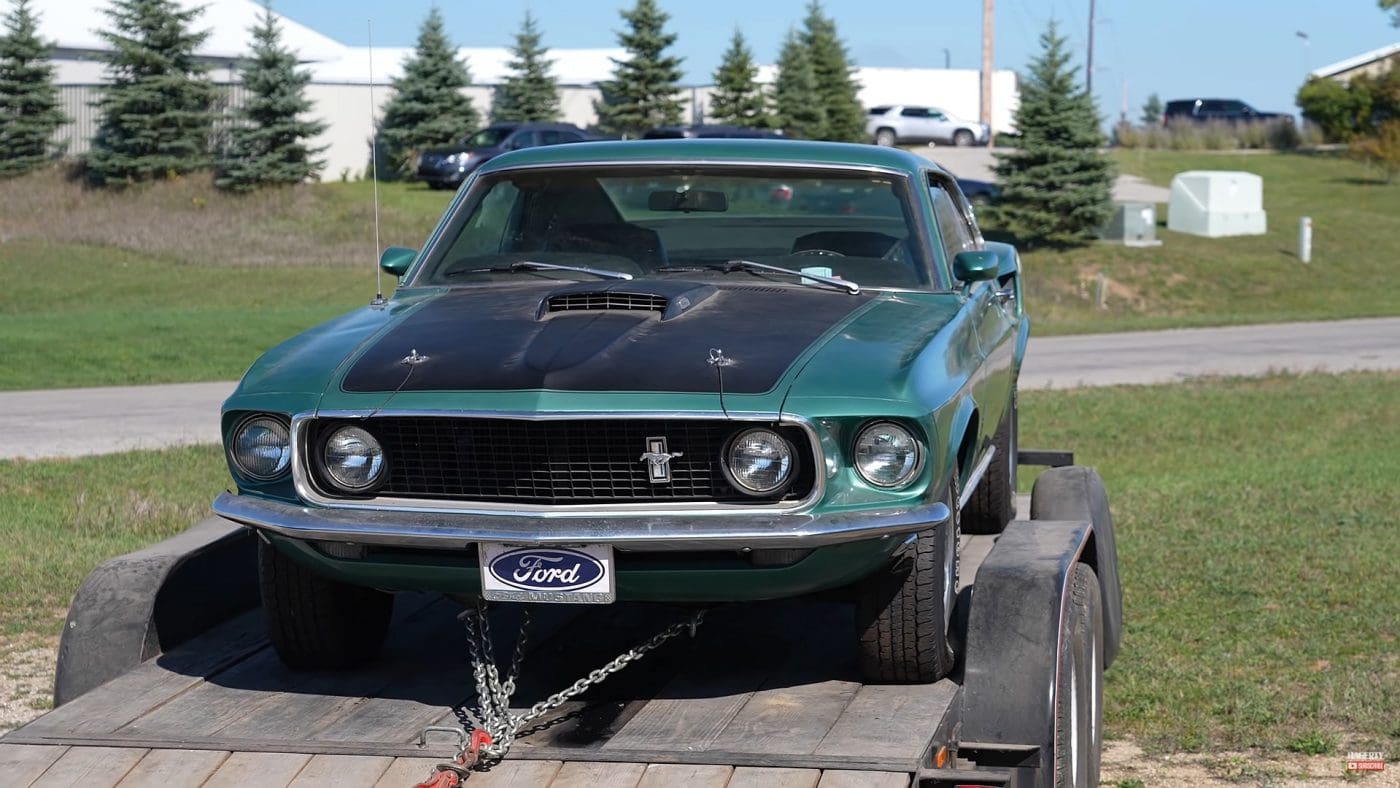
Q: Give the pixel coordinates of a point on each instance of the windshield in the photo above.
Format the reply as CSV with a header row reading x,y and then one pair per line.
x,y
682,221
487,138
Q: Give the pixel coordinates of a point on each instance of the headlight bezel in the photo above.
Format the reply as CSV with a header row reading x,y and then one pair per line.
x,y
914,471
329,480
240,468
794,463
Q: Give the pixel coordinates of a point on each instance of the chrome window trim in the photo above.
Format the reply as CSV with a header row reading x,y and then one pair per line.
x,y
306,488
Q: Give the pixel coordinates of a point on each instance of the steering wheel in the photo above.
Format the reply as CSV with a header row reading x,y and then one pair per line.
x,y
820,253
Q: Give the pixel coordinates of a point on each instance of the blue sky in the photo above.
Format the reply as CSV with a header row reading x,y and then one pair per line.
x,y
1245,49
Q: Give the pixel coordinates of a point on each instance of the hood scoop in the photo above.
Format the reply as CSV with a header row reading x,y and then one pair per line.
x,y
667,299
605,301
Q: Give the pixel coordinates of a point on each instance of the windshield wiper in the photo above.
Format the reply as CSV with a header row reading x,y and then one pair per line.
x,y
749,265
531,265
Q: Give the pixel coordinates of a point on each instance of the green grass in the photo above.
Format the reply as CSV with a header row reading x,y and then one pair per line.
x,y
1256,526
1191,281
1257,543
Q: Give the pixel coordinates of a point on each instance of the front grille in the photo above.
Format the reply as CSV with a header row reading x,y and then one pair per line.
x,y
570,302
583,461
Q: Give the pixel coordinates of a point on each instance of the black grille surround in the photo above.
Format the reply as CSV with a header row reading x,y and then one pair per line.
x,y
565,462
605,300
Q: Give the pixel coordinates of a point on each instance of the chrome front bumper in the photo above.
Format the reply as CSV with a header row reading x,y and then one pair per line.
x,y
692,532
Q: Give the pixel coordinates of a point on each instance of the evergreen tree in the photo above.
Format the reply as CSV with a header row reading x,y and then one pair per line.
x,y
642,92
836,90
530,92
268,146
1055,187
428,107
1152,111
738,98
29,111
800,113
156,117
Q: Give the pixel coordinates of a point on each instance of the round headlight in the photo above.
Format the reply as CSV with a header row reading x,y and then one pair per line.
x,y
353,458
759,461
261,448
887,455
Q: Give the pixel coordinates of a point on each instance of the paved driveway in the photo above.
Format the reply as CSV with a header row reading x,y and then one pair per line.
x,y
976,164
76,422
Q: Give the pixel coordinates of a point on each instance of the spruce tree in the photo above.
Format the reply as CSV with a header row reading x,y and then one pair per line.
x,y
428,107
530,92
268,145
29,111
1055,187
837,91
1152,111
642,92
156,118
799,112
738,99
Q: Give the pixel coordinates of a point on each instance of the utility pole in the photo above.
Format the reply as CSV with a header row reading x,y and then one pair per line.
x,y
1089,65
988,14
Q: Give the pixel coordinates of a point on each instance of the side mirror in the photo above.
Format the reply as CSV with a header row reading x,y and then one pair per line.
x,y
397,259
975,266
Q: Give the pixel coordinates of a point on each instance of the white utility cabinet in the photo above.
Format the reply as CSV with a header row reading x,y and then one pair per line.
x,y
1216,204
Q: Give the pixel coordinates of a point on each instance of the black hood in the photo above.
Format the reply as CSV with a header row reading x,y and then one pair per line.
x,y
610,336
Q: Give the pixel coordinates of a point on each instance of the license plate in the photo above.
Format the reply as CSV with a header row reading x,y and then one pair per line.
x,y
581,575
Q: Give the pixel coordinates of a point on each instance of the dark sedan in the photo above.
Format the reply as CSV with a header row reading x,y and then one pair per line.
x,y
448,166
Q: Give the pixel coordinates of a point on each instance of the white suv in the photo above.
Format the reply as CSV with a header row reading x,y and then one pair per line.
x,y
889,125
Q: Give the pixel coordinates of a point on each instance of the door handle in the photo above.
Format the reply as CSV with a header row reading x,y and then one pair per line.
x,y
1004,296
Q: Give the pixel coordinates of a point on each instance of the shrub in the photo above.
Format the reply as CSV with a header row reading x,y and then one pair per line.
x,y
1381,149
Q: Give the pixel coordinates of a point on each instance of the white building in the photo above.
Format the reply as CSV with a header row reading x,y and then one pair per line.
x,y
340,87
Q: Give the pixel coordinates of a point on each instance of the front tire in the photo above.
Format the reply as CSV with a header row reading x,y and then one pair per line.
x,y
316,623
993,503
903,612
963,138
1079,685
885,138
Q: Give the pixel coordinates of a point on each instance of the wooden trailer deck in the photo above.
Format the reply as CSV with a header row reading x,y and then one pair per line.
x,y
764,694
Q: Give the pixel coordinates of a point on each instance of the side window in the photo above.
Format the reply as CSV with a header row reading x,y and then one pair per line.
x,y
956,232
521,139
937,114
914,112
1212,106
485,231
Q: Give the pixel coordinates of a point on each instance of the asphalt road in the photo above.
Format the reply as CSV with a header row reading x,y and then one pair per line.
x,y
77,422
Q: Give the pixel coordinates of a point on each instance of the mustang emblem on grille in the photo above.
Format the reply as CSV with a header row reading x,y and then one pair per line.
x,y
658,460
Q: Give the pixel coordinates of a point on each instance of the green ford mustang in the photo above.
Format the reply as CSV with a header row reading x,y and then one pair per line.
x,y
680,371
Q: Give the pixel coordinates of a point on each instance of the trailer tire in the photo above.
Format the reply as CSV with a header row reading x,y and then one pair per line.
x,y
993,503
317,623
1079,684
903,612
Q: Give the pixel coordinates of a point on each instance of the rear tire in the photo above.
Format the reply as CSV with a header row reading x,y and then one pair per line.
x,y
963,138
885,138
993,503
1079,685
903,612
316,623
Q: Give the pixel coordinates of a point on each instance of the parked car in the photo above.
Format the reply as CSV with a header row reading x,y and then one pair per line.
x,y
614,373
709,131
1227,110
899,123
446,167
979,192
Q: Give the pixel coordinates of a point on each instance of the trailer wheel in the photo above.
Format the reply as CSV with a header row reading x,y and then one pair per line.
x,y
993,503
903,613
1079,685
317,623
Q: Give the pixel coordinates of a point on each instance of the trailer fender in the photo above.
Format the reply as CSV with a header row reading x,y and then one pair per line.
x,y
1018,601
136,606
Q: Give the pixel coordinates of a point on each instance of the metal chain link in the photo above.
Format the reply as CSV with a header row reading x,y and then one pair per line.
x,y
493,694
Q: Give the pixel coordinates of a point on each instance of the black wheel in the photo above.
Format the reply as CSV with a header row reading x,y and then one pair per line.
x,y
316,623
993,503
1079,685
885,138
902,613
962,138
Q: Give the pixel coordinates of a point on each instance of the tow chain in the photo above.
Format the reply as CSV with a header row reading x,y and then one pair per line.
x,y
494,728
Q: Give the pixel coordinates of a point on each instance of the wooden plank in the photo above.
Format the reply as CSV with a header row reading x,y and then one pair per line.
x,y
841,778
516,774
263,769
162,768
589,774
323,770
128,696
890,721
760,777
21,764
404,772
669,775
90,767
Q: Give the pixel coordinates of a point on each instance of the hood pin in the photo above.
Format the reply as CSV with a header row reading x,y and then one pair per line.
x,y
718,359
413,359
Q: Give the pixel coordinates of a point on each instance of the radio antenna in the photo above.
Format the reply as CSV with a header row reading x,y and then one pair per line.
x,y
374,168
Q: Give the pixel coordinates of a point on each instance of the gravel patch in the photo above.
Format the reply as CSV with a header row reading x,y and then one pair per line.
x,y
26,680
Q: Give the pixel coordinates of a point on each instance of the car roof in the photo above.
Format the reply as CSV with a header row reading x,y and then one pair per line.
x,y
766,151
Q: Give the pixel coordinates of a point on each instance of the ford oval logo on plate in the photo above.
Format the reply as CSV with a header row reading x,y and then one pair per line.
x,y
579,575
